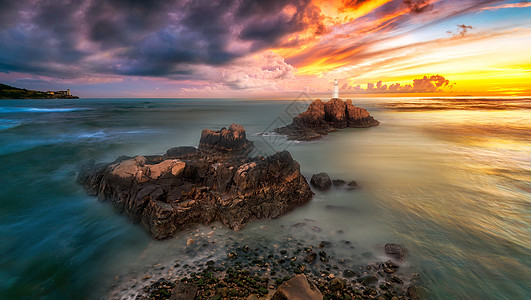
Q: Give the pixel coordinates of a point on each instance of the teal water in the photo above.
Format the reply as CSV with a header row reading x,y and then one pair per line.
x,y
448,178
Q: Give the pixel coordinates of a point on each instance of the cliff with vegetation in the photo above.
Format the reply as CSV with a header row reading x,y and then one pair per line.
x,y
9,92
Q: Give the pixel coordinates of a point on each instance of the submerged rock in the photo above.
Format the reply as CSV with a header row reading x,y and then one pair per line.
x,y
352,185
339,182
297,288
184,187
396,251
321,181
322,118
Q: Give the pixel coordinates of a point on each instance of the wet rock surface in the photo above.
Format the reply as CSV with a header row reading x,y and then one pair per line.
x,y
322,118
297,288
321,181
186,186
229,140
262,270
396,251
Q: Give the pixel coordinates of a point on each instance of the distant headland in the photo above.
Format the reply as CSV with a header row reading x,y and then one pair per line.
x,y
9,92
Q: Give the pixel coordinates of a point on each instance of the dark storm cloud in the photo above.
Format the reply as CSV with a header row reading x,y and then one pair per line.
x,y
267,31
71,38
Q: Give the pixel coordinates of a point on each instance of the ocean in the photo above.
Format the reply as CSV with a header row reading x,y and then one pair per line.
x,y
449,178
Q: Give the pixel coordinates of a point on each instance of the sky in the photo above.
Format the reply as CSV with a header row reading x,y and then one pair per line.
x,y
267,49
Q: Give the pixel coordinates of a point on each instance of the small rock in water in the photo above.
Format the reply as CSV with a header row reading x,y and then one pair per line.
x,y
369,280
338,182
352,185
189,242
310,257
232,255
323,244
349,273
396,251
417,292
321,181
316,229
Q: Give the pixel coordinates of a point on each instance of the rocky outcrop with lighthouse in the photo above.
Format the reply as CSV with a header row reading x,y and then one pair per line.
x,y
187,185
322,118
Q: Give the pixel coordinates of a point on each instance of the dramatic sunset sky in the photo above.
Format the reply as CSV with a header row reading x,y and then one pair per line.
x,y
243,48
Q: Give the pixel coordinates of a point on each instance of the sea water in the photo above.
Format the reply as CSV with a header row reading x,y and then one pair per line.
x,y
449,178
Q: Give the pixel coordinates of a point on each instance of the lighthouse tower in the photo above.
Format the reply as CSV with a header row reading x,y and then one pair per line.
x,y
336,89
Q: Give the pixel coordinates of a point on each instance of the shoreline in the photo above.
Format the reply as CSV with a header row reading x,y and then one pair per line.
x,y
237,268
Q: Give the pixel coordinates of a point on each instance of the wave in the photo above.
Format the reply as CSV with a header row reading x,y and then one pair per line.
x,y
38,110
98,136
8,124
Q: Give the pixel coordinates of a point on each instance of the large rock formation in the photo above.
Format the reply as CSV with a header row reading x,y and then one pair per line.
x,y
225,140
187,186
322,118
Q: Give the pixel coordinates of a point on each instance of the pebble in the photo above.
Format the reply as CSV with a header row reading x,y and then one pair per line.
x,y
189,242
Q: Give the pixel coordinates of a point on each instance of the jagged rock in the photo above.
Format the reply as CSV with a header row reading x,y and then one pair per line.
x,y
297,288
396,251
321,181
169,193
225,140
322,118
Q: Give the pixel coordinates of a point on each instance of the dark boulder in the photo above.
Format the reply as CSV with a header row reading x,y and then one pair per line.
x,y
321,181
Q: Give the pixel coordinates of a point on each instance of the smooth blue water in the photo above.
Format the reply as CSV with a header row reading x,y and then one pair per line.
x,y
449,178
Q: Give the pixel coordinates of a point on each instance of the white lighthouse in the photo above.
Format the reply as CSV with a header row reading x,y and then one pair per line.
x,y
336,89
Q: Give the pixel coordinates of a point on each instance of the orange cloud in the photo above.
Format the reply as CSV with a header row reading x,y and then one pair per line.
x,y
431,84
511,5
